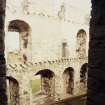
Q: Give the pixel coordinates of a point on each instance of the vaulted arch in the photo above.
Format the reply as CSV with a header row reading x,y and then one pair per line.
x,y
19,26
68,77
46,73
47,82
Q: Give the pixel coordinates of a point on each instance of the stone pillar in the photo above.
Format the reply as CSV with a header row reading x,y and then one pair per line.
x,y
3,96
59,86
25,91
25,46
96,73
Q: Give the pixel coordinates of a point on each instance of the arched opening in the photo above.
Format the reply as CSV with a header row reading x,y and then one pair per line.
x,y
81,43
47,82
13,91
24,31
83,74
68,77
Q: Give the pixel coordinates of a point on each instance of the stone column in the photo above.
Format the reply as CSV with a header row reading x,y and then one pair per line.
x,y
25,90
96,73
25,46
3,96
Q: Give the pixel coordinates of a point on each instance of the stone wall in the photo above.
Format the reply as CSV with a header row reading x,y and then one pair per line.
x,y
3,96
43,28
96,89
47,25
52,83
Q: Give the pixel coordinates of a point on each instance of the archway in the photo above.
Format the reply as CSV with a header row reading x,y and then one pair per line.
x,y
81,43
83,74
68,77
47,82
13,91
24,37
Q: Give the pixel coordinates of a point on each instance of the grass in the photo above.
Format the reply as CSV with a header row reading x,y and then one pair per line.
x,y
36,85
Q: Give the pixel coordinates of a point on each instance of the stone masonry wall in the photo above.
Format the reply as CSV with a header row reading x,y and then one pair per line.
x,y
51,26
96,74
3,96
38,27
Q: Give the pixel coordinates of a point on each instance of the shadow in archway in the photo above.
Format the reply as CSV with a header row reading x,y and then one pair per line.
x,y
13,91
68,77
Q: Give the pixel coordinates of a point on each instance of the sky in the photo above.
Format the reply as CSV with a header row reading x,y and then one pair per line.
x,y
12,41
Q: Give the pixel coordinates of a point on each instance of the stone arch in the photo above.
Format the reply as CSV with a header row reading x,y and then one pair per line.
x,y
83,74
24,36
13,91
47,82
68,77
81,43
